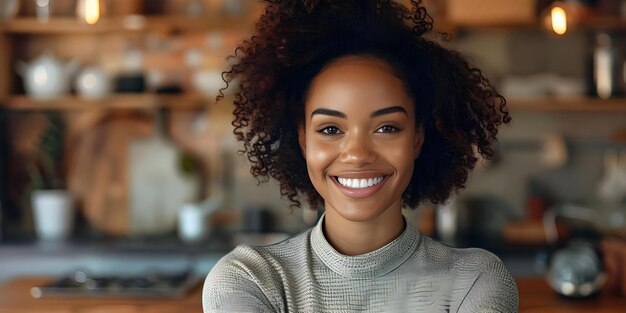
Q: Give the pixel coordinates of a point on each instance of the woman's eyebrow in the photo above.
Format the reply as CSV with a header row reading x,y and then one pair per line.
x,y
329,112
388,111
340,114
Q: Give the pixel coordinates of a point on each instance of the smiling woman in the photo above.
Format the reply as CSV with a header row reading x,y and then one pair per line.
x,y
347,104
361,128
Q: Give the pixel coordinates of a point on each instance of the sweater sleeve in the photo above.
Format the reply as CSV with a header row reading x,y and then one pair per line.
x,y
494,289
239,283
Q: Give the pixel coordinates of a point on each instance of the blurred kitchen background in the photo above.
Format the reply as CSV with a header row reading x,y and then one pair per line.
x,y
115,161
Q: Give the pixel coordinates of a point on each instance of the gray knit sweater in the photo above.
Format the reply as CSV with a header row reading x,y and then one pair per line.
x,y
305,273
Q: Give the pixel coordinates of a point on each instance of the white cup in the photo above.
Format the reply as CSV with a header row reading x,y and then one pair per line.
x,y
42,10
192,223
53,214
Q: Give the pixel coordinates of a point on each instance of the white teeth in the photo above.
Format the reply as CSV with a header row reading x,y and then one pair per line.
x,y
359,183
355,183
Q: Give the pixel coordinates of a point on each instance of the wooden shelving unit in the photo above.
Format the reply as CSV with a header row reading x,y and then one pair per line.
x,y
133,23
145,101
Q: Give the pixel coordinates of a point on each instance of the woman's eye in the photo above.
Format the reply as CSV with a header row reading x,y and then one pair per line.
x,y
330,130
388,129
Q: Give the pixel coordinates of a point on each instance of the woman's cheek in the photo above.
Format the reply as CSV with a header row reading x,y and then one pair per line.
x,y
319,156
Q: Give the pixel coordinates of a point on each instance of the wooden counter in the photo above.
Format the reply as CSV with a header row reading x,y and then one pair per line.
x,y
535,296
15,298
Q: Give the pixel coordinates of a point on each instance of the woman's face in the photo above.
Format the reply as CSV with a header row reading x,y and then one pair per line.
x,y
359,139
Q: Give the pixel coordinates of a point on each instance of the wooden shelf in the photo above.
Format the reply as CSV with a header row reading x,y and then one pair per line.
x,y
568,105
591,23
146,101
135,23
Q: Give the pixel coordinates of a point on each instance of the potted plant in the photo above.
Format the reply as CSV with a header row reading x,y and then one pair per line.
x,y
52,203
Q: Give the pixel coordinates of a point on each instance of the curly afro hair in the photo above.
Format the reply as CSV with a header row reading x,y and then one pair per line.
x,y
296,39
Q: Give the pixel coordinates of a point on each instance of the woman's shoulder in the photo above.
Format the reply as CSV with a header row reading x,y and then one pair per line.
x,y
491,286
249,278
474,258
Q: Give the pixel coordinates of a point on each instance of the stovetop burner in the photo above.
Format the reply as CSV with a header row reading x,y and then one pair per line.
x,y
152,284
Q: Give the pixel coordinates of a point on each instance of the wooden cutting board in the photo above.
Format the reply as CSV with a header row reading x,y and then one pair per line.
x,y
99,165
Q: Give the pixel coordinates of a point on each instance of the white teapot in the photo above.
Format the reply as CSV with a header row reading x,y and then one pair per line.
x,y
46,78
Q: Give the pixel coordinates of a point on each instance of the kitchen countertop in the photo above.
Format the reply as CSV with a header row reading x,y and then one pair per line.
x,y
15,298
535,296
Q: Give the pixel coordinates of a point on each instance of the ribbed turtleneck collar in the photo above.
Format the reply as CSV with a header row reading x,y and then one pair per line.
x,y
372,264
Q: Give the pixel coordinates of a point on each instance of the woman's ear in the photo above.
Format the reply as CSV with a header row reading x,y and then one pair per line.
x,y
419,141
302,140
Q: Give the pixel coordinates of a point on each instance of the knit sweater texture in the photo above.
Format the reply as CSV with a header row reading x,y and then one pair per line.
x,y
413,273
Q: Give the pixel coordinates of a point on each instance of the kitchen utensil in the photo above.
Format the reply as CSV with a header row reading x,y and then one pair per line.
x,y
46,77
577,270
106,204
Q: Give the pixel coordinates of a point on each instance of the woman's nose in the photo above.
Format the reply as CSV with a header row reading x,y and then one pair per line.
x,y
358,149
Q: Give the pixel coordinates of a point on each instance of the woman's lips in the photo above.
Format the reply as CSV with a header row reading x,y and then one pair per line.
x,y
359,193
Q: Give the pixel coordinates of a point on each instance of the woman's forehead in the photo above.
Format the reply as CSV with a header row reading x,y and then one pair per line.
x,y
366,81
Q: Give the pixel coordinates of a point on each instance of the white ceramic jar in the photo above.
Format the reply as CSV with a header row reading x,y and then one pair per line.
x,y
93,83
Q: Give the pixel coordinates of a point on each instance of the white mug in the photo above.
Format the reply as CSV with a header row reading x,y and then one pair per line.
x,y
43,10
192,223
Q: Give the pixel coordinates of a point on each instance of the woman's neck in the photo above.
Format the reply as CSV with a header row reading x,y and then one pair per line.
x,y
360,237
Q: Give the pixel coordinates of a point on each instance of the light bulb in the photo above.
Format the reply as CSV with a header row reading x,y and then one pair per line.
x,y
559,20
92,11
89,11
